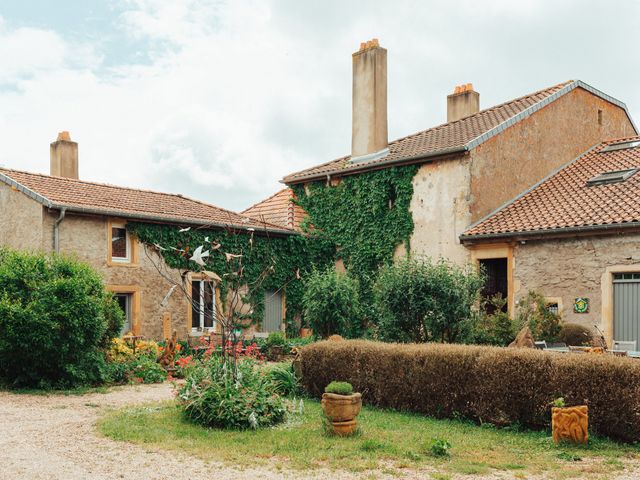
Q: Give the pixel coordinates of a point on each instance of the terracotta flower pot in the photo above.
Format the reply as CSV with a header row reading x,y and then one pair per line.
x,y
570,424
305,332
341,411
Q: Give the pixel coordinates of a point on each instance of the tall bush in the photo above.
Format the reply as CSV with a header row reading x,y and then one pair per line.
x,y
55,318
420,300
331,304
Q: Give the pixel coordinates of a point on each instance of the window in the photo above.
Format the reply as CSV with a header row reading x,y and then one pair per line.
x,y
120,244
203,305
621,146
553,308
125,300
611,177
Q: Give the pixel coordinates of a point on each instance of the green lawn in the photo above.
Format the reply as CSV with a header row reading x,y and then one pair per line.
x,y
388,440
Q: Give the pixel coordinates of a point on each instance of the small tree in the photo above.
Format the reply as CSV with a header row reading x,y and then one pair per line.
x,y
55,317
419,300
331,303
534,312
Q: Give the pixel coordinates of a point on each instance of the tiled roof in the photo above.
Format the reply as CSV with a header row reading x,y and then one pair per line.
x,y
279,209
458,136
98,198
565,201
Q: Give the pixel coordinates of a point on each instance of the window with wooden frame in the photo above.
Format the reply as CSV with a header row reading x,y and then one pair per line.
x,y
204,304
121,244
128,298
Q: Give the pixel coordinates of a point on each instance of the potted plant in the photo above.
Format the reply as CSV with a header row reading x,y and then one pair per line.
x,y
341,407
569,423
274,345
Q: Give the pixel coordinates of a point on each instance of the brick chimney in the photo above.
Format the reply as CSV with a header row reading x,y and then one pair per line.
x,y
464,101
64,157
369,116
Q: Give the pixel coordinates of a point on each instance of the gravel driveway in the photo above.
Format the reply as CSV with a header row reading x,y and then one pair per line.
x,y
54,437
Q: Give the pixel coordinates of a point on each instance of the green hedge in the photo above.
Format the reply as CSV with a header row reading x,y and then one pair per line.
x,y
55,320
487,384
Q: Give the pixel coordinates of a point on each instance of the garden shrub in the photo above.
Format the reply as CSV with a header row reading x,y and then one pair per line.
x,y
212,397
420,300
533,311
339,388
502,386
126,366
331,304
495,328
575,335
55,318
284,380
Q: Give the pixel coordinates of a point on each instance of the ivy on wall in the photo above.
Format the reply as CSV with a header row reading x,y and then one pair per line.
x,y
285,259
361,221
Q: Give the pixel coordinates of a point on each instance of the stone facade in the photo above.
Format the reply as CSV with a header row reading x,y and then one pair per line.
x,y
451,194
565,269
21,220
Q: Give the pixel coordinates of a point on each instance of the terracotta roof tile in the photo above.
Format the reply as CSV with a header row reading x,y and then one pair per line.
x,y
565,200
279,209
439,139
106,199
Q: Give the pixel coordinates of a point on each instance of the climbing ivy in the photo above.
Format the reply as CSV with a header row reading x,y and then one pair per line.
x,y
286,260
361,221
364,218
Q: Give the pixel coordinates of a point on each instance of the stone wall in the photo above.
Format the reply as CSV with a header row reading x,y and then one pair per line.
x,y
440,208
21,221
87,238
571,268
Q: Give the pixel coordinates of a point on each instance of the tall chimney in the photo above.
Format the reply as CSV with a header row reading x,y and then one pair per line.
x,y
64,157
464,101
369,116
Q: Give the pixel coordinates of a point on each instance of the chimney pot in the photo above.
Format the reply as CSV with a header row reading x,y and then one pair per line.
x,y
64,136
64,156
369,101
464,101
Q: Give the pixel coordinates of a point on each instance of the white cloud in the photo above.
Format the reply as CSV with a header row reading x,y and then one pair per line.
x,y
232,96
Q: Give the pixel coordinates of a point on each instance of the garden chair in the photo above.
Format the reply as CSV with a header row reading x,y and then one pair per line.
x,y
540,345
624,345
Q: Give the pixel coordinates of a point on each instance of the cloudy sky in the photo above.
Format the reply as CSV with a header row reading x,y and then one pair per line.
x,y
219,100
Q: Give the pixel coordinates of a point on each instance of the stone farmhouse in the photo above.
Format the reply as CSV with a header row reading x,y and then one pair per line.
x,y
60,213
567,236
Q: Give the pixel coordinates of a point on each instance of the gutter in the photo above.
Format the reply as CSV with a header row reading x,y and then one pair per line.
x,y
172,220
551,231
56,230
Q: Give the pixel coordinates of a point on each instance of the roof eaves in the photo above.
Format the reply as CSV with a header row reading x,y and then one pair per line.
x,y
27,191
373,166
551,231
173,220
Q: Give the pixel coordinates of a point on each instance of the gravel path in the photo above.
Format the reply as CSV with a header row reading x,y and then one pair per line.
x,y
54,438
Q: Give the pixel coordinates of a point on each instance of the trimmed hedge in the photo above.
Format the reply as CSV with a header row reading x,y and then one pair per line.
x,y
502,386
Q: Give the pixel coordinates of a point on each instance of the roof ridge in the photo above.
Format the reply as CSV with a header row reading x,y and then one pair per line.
x,y
484,110
552,92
